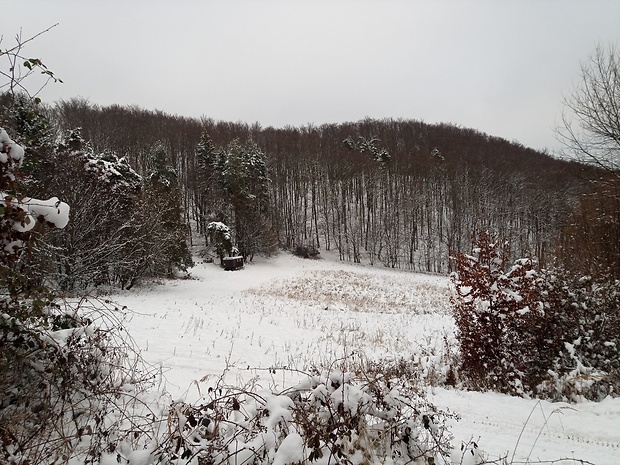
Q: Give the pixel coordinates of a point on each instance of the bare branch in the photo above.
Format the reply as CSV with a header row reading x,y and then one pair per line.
x,y
590,123
16,72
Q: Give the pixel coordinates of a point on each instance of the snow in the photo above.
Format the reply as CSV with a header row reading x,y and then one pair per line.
x,y
218,227
28,210
290,451
279,410
10,149
53,211
351,398
295,313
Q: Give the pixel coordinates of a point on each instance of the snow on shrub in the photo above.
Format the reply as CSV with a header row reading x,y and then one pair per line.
x,y
588,365
76,387
220,237
520,328
361,417
70,380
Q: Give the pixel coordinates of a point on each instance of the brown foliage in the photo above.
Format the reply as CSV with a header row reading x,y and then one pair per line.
x,y
590,241
505,318
529,331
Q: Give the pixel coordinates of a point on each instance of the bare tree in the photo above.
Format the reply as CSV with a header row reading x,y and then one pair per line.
x,y
590,127
591,131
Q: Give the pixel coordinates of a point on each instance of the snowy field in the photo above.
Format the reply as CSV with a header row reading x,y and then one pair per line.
x,y
295,313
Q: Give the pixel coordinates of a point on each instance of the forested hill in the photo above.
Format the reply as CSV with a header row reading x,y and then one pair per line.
x,y
130,131
399,193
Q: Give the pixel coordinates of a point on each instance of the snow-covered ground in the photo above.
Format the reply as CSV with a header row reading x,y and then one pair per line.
x,y
296,313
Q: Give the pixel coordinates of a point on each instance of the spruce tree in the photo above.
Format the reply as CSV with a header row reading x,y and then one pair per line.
x,y
162,198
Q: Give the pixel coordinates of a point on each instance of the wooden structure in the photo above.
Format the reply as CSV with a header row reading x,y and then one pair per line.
x,y
232,263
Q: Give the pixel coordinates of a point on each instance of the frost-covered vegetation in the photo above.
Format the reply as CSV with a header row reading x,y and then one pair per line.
x,y
63,364
366,416
340,365
260,329
535,332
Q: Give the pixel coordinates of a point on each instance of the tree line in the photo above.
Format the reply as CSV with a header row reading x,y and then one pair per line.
x,y
399,193
124,224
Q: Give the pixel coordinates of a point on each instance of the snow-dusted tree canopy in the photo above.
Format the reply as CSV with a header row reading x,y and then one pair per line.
x,y
234,184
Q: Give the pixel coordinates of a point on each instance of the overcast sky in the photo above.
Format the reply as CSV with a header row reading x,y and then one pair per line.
x,y
499,66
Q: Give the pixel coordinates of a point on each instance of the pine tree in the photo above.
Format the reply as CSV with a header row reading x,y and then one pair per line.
x,y
162,197
235,186
209,199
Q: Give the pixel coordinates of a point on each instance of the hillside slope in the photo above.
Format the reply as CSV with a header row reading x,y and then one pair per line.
x,y
294,313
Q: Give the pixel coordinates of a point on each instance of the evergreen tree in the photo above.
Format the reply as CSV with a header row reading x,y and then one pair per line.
x,y
32,124
244,179
162,198
209,199
236,187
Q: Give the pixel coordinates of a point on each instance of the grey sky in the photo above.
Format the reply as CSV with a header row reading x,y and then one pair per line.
x,y
499,66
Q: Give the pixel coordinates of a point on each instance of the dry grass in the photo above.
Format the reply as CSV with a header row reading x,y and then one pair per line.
x,y
361,292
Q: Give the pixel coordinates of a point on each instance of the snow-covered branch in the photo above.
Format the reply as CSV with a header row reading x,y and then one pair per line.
x,y
19,214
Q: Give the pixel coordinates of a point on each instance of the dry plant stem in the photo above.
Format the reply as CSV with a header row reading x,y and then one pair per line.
x,y
550,462
521,432
541,428
14,75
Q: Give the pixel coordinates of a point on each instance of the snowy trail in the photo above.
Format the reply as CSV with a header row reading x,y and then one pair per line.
x,y
291,312
588,431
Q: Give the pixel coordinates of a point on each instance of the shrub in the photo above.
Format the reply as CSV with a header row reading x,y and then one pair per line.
x,y
362,416
71,383
65,368
588,364
529,331
306,251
